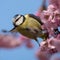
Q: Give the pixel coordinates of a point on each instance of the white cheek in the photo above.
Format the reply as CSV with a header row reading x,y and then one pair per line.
x,y
19,21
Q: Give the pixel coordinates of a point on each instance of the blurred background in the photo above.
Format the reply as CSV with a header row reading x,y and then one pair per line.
x,y
8,8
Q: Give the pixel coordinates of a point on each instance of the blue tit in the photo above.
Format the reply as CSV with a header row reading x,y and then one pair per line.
x,y
28,25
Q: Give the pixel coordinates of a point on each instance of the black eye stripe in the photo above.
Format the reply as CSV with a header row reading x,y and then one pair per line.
x,y
18,19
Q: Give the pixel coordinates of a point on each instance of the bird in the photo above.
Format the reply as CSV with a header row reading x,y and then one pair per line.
x,y
29,25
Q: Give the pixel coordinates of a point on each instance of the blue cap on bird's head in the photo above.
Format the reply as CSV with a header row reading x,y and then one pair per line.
x,y
16,15
18,20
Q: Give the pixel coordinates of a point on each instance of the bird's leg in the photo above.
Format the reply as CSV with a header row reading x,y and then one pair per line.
x,y
37,41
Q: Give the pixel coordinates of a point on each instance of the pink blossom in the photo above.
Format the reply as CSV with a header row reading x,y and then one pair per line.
x,y
48,48
45,51
8,41
51,19
55,42
55,3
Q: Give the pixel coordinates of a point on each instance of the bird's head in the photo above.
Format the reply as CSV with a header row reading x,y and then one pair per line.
x,y
18,20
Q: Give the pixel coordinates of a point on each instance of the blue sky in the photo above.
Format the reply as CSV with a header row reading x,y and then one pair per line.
x,y
8,8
